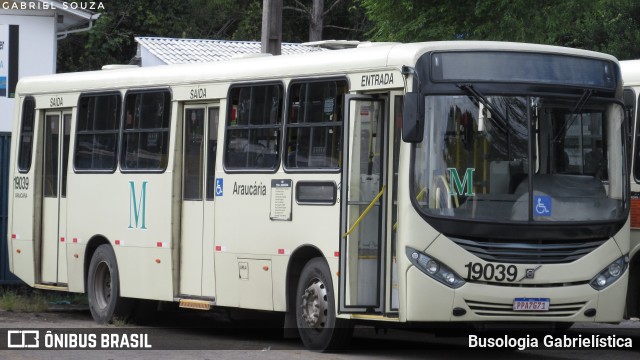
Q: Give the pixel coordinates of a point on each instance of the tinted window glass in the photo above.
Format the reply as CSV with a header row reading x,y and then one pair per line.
x,y
314,125
146,131
26,135
97,135
253,127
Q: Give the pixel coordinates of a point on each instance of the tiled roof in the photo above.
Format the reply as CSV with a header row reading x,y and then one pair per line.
x,y
182,51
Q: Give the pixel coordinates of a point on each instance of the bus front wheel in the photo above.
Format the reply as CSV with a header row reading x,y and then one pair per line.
x,y
315,309
103,286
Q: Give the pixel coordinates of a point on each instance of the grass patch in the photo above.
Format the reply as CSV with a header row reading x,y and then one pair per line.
x,y
26,299
12,300
119,322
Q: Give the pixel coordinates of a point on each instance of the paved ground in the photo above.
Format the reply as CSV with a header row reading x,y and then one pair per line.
x,y
207,336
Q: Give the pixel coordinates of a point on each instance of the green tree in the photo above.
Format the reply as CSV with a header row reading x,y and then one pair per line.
x,y
611,26
334,19
111,41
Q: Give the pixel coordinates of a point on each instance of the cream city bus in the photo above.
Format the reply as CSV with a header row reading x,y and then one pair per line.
x,y
631,77
401,183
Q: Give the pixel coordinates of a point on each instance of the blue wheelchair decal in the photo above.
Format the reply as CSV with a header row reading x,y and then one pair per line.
x,y
542,205
219,186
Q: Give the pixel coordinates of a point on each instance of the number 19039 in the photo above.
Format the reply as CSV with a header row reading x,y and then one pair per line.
x,y
21,183
491,272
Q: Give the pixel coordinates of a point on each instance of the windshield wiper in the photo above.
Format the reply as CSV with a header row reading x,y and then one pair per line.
x,y
468,88
574,113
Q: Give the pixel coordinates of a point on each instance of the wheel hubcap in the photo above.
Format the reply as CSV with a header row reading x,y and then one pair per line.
x,y
314,304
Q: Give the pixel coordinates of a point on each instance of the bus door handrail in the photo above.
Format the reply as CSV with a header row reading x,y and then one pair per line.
x,y
365,212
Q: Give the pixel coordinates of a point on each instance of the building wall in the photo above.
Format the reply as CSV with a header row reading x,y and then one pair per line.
x,y
37,51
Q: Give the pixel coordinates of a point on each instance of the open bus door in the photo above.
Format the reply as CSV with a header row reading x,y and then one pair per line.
x,y
364,219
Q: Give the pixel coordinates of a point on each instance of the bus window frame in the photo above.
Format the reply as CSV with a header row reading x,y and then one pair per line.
x,y
21,134
286,124
118,133
226,126
122,131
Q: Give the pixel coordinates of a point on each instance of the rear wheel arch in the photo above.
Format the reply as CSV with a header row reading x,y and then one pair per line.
x,y
92,245
299,258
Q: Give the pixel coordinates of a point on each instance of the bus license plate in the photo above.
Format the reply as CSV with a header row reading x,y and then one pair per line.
x,y
531,304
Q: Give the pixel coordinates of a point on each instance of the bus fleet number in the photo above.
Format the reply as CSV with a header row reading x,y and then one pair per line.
x,y
490,272
21,183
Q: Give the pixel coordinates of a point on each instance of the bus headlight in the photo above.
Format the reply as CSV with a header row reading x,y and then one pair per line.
x,y
434,269
610,274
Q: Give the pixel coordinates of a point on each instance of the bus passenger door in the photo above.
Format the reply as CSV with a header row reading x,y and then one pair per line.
x,y
364,194
200,134
53,266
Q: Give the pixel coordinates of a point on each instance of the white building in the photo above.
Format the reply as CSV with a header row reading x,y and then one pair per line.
x,y
29,32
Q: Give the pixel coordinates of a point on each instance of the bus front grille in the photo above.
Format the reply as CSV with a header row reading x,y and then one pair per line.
x,y
528,252
482,308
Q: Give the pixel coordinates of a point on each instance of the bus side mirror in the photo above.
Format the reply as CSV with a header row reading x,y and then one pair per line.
x,y
412,119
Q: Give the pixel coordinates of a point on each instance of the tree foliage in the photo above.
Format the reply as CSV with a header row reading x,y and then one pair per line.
x,y
611,26
111,41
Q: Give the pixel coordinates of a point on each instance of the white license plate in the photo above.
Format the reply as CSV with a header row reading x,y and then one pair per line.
x,y
531,304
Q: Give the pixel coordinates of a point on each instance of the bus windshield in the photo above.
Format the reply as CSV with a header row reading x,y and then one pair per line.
x,y
504,159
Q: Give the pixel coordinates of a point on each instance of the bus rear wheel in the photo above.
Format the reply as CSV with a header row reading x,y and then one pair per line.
x,y
316,319
103,286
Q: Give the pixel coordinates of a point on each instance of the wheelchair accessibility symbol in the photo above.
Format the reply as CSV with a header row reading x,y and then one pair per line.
x,y
219,187
542,205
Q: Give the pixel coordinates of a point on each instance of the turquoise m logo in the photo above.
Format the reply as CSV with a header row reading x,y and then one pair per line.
x,y
457,187
138,208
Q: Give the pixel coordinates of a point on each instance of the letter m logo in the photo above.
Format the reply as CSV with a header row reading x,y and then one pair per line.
x,y
457,187
138,206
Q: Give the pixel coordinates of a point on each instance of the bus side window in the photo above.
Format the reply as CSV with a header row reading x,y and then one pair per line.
x,y
97,132
146,132
26,134
314,126
253,128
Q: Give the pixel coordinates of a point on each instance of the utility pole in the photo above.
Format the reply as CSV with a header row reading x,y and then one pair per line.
x,y
272,26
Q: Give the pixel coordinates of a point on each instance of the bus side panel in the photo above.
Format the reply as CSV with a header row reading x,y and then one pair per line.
x,y
243,243
133,213
22,207
246,235
144,227
75,266
145,272
23,256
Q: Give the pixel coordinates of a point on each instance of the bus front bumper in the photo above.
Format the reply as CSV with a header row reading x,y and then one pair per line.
x,y
429,300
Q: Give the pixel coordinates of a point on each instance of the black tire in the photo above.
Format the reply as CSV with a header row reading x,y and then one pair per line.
x,y
103,287
316,319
